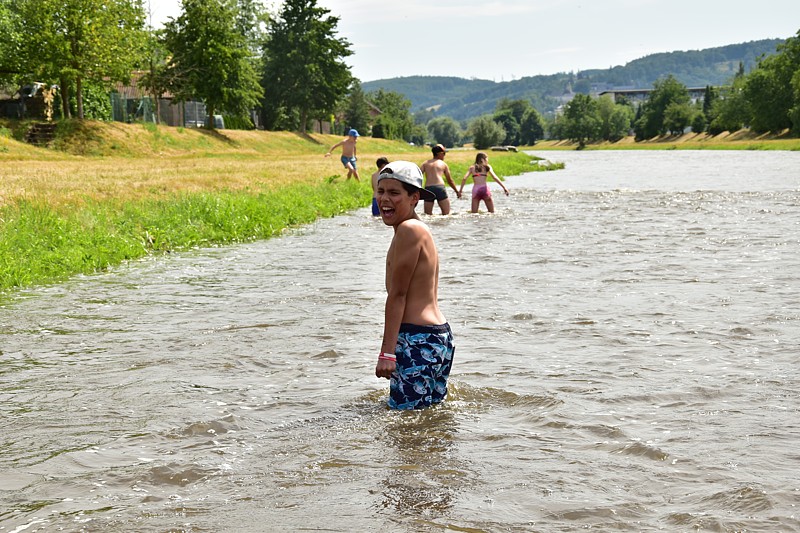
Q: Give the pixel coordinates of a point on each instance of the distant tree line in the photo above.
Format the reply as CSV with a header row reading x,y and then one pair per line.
x,y
466,99
514,122
238,58
765,100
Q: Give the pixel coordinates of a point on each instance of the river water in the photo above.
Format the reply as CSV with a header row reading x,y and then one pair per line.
x,y
627,334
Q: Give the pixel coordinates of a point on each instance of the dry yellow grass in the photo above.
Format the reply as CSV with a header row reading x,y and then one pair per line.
x,y
136,162
114,192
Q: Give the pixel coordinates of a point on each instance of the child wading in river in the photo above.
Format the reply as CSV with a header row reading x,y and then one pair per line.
x,y
417,349
480,172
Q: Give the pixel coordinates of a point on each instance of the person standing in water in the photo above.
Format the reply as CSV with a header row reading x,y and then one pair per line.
x,y
348,145
480,172
435,169
380,163
417,349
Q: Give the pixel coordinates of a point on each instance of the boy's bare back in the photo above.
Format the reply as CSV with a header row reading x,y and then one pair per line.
x,y
434,170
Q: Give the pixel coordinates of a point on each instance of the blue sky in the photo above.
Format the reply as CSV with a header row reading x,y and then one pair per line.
x,y
502,40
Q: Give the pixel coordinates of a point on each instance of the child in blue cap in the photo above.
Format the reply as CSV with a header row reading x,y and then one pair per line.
x,y
348,145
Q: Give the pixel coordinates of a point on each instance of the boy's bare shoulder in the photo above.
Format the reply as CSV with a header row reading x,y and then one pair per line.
x,y
413,228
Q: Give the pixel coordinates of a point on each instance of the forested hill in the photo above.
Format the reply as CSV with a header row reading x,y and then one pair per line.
x,y
463,99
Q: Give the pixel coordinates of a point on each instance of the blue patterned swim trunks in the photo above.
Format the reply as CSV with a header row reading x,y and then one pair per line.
x,y
424,357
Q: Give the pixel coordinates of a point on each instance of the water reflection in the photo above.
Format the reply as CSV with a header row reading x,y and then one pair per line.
x,y
427,472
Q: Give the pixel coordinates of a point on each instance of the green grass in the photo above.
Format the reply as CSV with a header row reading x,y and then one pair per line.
x,y
110,192
43,243
57,243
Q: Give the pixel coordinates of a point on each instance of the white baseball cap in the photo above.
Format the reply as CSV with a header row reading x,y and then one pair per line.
x,y
406,172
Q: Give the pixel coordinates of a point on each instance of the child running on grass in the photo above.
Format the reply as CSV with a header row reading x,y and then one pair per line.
x,y
348,145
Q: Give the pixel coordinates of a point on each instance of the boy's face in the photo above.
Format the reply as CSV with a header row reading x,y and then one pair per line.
x,y
395,203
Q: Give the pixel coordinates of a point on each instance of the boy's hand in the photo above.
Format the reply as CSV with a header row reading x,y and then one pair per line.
x,y
385,368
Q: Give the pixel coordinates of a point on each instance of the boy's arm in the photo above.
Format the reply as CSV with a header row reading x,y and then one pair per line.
x,y
407,248
334,147
450,181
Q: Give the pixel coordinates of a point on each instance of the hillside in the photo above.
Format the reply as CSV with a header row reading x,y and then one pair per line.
x,y
464,99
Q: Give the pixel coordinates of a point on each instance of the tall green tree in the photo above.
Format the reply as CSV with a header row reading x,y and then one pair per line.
x,y
518,108
210,59
505,118
615,119
677,117
485,132
666,91
556,127
769,89
445,131
510,114
252,19
356,108
710,96
156,76
731,111
395,120
699,122
72,41
582,119
531,129
304,70
10,29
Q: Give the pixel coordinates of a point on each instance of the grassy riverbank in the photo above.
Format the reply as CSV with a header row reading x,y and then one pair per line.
x,y
739,140
115,192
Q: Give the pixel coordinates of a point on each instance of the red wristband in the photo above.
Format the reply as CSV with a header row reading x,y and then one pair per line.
x,y
387,356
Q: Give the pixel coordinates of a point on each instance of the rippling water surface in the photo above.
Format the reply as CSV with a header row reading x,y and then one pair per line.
x,y
627,336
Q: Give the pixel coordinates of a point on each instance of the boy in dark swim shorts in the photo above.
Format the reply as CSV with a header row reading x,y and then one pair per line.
x,y
424,357
417,349
436,172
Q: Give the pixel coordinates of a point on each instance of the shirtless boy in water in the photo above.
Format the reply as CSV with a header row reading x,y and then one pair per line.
x,y
348,145
417,348
434,169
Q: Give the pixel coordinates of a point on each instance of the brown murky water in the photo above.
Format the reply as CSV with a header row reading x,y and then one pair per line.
x,y
628,332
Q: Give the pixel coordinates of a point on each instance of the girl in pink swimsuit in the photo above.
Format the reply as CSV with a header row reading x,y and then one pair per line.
x,y
480,173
